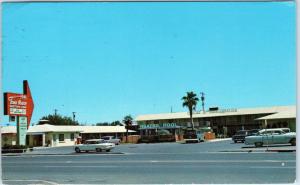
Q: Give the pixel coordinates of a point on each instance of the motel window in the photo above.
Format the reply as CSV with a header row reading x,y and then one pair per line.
x,y
72,136
61,137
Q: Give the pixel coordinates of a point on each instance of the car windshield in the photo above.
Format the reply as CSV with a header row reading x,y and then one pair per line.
x,y
241,132
94,141
190,132
252,132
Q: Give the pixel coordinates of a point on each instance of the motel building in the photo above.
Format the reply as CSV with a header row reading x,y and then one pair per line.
x,y
223,122
56,135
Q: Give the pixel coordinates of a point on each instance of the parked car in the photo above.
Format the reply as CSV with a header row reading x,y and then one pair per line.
x,y
240,135
111,139
97,145
193,136
271,136
161,135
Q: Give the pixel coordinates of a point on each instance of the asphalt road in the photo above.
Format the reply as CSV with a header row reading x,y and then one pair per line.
x,y
165,163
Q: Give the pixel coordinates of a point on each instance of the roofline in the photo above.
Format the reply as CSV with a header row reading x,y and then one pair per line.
x,y
268,110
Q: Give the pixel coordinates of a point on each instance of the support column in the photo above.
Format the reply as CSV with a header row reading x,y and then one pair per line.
x,y
44,140
266,123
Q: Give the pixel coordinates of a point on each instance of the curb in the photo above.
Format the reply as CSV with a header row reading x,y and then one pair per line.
x,y
253,151
103,153
280,150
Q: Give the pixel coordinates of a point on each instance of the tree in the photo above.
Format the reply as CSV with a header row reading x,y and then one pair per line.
x,y
128,122
190,101
115,123
58,120
102,124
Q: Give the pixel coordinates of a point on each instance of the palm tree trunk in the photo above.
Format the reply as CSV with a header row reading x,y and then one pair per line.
x,y
191,117
192,122
126,135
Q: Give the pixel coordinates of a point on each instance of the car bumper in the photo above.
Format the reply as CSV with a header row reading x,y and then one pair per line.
x,y
191,140
109,147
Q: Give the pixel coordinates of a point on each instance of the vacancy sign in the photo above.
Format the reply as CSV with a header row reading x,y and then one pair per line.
x,y
19,104
16,104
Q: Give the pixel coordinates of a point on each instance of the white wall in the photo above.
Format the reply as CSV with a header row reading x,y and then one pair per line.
x,y
54,137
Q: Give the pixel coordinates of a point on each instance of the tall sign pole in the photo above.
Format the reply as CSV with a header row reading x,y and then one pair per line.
x,y
21,106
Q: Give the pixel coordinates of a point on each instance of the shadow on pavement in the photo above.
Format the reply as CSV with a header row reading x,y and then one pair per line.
x,y
268,146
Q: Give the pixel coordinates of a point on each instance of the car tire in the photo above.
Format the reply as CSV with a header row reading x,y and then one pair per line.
x,y
258,144
293,142
98,150
108,150
77,150
235,141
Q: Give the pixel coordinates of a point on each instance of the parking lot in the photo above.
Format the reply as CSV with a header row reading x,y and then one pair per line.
x,y
171,163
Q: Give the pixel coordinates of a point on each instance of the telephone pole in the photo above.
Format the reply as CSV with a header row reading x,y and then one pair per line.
x,y
73,115
55,112
202,99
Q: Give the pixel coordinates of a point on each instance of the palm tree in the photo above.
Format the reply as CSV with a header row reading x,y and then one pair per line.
x,y
128,121
190,101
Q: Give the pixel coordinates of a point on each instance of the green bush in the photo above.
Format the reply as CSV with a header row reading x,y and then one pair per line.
x,y
14,148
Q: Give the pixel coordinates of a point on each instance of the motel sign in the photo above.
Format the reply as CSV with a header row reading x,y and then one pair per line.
x,y
21,106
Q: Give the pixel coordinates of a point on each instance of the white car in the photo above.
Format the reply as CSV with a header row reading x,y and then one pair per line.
x,y
272,136
111,139
97,145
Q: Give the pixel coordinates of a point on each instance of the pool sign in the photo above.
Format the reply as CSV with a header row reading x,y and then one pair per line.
x,y
19,104
22,130
161,125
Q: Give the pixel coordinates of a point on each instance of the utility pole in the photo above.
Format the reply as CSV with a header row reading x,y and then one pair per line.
x,y
55,112
73,115
202,99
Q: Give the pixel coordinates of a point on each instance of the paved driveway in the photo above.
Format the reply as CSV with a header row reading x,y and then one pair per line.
x,y
162,163
224,145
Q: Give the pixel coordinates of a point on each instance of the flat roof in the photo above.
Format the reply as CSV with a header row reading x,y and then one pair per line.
x,y
280,115
221,112
67,128
8,129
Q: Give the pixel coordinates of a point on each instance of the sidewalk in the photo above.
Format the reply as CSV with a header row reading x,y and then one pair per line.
x,y
264,149
218,139
45,151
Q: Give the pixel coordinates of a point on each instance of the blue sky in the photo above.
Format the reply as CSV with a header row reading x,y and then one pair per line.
x,y
108,60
